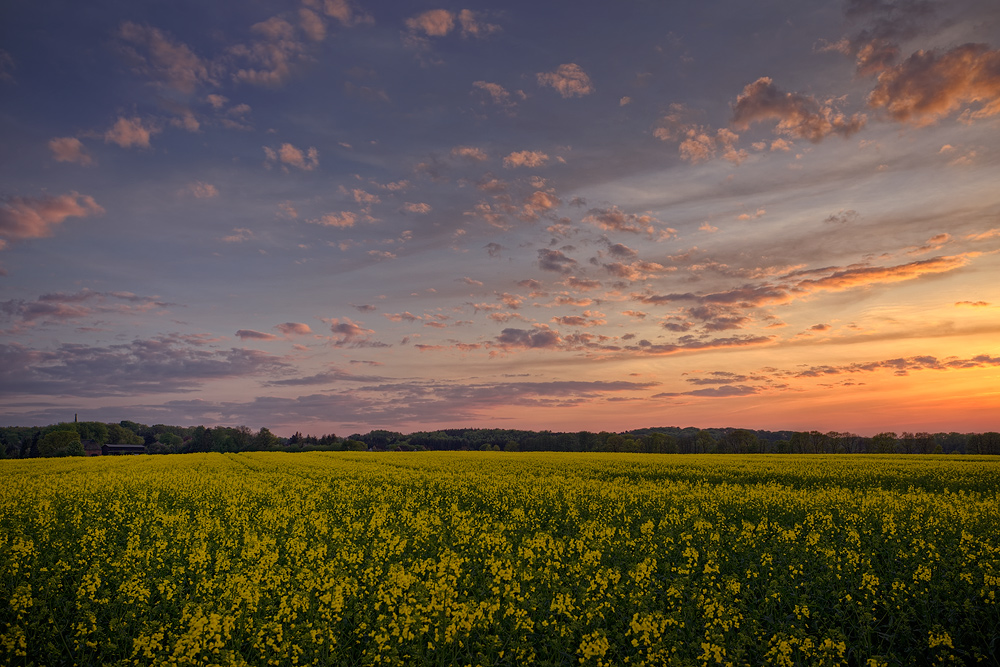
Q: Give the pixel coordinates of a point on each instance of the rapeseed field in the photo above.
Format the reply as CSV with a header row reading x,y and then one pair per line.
x,y
455,558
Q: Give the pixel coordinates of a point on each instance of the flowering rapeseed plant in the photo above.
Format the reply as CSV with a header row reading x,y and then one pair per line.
x,y
499,559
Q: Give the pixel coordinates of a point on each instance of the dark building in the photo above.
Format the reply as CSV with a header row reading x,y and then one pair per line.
x,y
120,450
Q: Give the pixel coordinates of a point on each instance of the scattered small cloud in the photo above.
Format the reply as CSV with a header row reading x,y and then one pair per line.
x,y
129,132
287,154
525,159
250,334
36,217
70,149
569,80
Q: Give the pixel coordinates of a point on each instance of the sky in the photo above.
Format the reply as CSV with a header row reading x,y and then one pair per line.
x,y
332,216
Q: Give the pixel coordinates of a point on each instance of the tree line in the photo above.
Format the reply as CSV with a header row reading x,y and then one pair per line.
x,y
76,438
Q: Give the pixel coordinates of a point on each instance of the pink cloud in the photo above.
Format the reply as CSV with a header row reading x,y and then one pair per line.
x,y
433,23
421,208
343,11
70,149
473,26
342,219
272,56
617,220
200,190
929,85
569,80
174,63
525,159
497,94
312,24
250,334
239,235
538,202
35,217
128,132
294,328
469,153
296,157
798,115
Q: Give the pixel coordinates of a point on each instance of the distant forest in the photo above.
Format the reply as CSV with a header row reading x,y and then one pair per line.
x,y
86,438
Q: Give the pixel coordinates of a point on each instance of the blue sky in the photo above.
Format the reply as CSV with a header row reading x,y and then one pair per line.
x,y
332,216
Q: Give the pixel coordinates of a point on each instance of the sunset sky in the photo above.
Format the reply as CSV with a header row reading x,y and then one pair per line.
x,y
339,215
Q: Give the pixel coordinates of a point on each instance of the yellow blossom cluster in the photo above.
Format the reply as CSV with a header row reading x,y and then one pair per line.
x,y
476,558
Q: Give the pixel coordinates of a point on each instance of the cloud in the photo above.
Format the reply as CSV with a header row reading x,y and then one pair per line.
x,y
525,159
239,235
496,93
250,334
474,26
974,304
35,217
343,219
583,284
616,220
555,260
270,58
433,23
693,344
402,317
200,190
172,63
842,217
294,328
312,24
899,366
578,321
538,202
850,278
332,376
798,115
129,132
70,149
420,208
716,317
343,11
930,85
296,157
621,251
351,334
469,153
698,143
747,216
364,307
569,80
725,391
831,279
163,364
636,270
62,306
933,244
529,339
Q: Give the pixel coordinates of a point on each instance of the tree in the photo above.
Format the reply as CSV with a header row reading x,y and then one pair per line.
x,y
264,440
884,443
61,443
704,443
119,435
